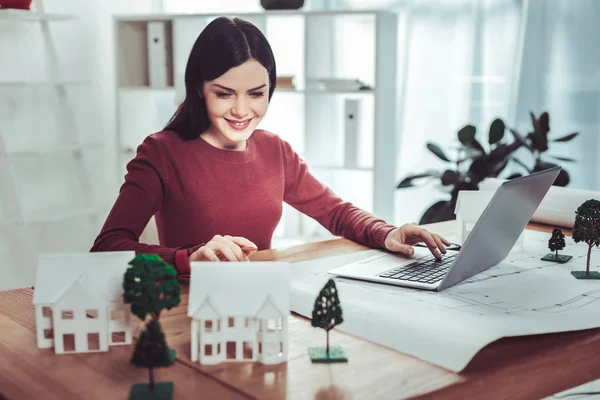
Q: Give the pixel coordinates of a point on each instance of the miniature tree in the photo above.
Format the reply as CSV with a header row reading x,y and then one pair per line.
x,y
151,351
327,313
587,229
150,286
556,243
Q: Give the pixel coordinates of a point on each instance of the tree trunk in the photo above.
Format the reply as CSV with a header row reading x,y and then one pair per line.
x,y
587,270
151,375
328,343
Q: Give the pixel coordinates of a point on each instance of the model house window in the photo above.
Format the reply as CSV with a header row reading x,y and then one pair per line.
x,y
249,322
218,325
231,322
117,314
280,349
230,349
67,315
118,337
272,349
93,341
48,333
279,324
91,314
46,312
69,342
208,325
218,348
271,325
208,349
259,348
248,350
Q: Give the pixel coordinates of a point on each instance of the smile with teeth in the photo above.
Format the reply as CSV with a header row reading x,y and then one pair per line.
x,y
240,125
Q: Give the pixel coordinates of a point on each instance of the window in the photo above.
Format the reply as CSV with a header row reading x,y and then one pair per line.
x,y
118,337
230,349
208,349
67,315
231,322
91,314
48,333
93,341
248,350
208,326
117,314
279,324
218,348
69,342
271,325
280,350
46,312
249,322
259,348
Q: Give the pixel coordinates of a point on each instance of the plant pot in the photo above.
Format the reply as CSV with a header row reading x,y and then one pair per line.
x,y
280,4
17,4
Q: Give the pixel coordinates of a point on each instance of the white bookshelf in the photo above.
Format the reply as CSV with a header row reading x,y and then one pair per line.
x,y
352,44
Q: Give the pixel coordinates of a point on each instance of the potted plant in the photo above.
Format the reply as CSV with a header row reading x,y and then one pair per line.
x,y
471,166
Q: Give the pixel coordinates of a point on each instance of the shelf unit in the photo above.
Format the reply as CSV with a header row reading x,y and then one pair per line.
x,y
30,225
352,44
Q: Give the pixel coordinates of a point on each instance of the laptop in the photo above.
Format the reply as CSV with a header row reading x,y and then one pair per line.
x,y
493,236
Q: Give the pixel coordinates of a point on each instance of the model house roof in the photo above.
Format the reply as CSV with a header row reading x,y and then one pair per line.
x,y
239,288
57,273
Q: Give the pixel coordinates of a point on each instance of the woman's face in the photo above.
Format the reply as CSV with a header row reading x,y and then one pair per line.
x,y
236,102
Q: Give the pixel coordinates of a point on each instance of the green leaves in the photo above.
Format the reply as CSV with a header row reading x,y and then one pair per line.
x,y
435,149
497,129
466,134
566,138
587,223
150,286
327,312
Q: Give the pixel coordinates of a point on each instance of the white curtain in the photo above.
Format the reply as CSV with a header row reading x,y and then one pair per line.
x,y
470,61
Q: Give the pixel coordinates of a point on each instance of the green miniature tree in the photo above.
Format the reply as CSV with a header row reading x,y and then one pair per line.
x,y
150,286
327,313
151,351
556,242
587,229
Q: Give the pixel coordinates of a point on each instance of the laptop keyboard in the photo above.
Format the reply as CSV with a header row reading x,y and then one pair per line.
x,y
427,270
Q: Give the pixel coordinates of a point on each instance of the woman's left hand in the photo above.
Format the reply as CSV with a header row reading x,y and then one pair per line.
x,y
401,239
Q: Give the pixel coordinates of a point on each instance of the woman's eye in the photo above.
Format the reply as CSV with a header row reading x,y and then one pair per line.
x,y
257,94
223,95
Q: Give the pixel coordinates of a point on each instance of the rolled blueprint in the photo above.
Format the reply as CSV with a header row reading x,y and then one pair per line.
x,y
558,206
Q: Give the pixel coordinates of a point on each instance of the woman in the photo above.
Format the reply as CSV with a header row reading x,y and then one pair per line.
x,y
215,183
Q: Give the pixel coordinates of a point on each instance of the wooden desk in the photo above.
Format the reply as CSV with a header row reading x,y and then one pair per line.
x,y
518,368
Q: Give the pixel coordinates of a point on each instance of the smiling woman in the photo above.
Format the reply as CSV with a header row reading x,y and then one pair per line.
x,y
216,183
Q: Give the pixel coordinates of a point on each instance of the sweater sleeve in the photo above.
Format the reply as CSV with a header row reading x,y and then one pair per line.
x,y
140,197
309,196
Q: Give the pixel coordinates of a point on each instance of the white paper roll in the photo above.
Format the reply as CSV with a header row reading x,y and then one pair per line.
x,y
558,206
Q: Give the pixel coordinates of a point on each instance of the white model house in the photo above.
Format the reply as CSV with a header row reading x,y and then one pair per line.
x,y
239,311
78,301
469,207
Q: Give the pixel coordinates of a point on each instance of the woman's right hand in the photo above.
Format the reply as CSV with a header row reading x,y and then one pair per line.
x,y
225,248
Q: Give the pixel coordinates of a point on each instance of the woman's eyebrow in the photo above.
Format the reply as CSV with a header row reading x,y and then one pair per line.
x,y
231,90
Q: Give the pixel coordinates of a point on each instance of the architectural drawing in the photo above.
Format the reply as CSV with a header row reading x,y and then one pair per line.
x,y
239,312
78,302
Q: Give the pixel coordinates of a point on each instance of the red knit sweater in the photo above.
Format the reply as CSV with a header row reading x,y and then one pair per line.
x,y
196,191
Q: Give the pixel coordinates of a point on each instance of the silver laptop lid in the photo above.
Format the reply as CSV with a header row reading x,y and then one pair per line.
x,y
499,226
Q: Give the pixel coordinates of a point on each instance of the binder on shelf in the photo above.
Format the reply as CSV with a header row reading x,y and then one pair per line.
x,y
351,127
157,54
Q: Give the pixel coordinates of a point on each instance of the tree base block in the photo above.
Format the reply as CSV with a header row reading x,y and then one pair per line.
x,y
583,275
319,355
162,391
562,258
